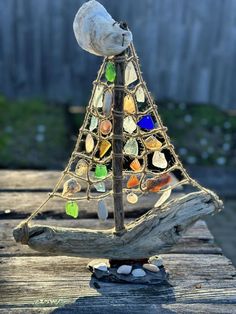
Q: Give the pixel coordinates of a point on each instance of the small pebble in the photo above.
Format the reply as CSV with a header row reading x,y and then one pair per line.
x,y
138,272
156,260
101,266
151,267
124,269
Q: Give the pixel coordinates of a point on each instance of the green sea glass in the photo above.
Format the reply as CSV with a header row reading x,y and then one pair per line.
x,y
110,72
100,171
72,209
93,123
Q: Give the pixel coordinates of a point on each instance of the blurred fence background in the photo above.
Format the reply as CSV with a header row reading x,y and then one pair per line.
x,y
187,49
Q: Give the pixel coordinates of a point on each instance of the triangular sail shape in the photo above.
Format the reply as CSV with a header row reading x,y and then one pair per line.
x,y
150,166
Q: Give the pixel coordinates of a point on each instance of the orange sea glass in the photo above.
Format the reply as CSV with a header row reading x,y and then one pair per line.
x,y
152,143
129,105
104,147
135,165
132,182
155,184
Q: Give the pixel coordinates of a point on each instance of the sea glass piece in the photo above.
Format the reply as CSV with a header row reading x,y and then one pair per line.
x,y
98,96
100,171
164,197
132,182
152,143
81,167
100,186
107,103
130,73
71,187
104,147
135,165
93,123
102,210
155,184
140,96
129,124
129,104
105,127
131,147
159,160
72,209
110,72
132,198
146,123
89,143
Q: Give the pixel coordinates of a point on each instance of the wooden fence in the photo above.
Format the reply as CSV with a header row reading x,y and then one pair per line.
x,y
187,49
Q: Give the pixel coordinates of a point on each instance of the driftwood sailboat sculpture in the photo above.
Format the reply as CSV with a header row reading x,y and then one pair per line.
x,y
123,156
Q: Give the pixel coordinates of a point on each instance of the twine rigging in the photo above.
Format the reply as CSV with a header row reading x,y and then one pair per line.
x,y
91,159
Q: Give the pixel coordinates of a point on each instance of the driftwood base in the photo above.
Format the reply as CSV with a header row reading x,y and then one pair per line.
x,y
156,231
112,276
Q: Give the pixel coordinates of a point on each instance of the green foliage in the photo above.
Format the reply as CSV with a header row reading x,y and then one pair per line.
x,y
33,134
201,133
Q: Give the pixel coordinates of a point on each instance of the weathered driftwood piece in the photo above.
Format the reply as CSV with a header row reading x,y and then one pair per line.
x,y
97,32
154,232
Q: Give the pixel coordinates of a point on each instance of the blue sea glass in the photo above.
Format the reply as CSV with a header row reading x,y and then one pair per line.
x,y
146,122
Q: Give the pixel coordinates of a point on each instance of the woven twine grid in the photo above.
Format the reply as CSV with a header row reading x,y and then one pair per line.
x,y
140,135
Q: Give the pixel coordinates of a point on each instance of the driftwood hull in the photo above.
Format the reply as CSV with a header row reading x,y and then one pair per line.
x,y
152,233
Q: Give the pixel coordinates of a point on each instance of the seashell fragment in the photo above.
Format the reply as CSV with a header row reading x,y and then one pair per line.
x,y
132,198
140,96
130,73
98,96
159,160
129,125
89,143
97,32
156,260
124,269
164,197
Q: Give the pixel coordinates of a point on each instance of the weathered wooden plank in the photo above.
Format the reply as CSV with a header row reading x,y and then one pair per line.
x,y
154,308
196,240
28,180
193,279
21,204
215,178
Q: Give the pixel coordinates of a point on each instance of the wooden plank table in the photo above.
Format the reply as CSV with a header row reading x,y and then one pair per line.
x,y
201,278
